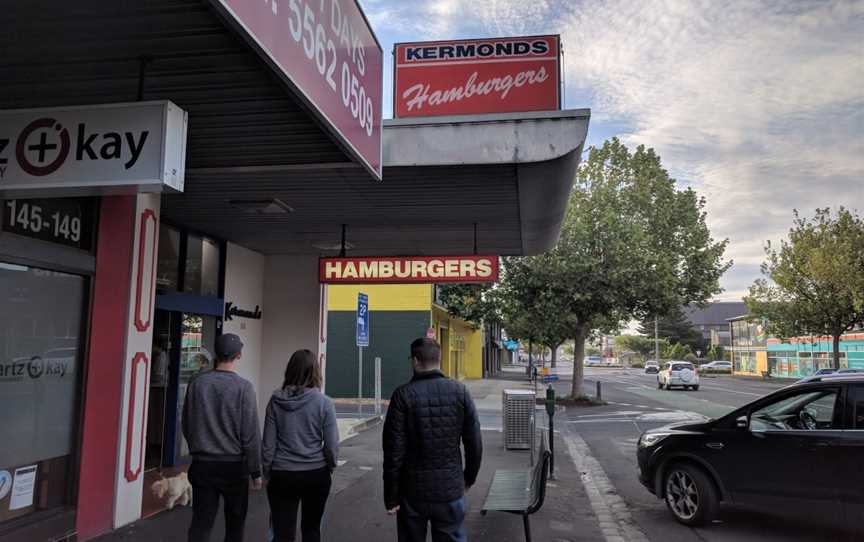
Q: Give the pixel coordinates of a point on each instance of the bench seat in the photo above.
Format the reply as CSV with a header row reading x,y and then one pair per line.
x,y
510,491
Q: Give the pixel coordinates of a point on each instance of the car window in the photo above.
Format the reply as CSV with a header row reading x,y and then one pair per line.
x,y
682,366
857,395
808,410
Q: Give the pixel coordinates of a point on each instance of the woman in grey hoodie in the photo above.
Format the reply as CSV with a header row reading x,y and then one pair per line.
x,y
301,443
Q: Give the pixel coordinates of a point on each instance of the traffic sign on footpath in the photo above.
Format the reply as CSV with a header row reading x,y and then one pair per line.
x,y
362,319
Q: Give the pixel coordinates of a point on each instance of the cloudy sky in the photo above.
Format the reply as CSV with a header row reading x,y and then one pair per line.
x,y
759,106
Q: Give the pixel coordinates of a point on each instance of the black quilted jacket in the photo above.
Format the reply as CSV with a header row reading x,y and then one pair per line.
x,y
426,420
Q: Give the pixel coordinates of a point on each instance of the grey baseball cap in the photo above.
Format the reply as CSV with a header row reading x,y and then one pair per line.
x,y
228,345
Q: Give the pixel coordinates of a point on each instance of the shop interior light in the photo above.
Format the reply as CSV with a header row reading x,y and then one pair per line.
x,y
269,206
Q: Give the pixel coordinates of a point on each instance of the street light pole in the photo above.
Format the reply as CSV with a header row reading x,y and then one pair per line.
x,y
656,341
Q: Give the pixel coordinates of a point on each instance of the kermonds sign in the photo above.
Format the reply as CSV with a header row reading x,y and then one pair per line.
x,y
76,150
464,77
399,270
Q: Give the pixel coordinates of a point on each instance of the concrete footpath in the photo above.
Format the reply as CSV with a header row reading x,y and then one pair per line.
x,y
356,512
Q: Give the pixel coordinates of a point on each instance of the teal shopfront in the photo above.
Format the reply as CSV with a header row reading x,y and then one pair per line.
x,y
803,357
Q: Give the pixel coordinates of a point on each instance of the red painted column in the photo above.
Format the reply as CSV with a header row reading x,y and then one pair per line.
x,y
104,379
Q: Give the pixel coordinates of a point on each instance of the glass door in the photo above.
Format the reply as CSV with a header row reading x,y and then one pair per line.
x,y
197,340
161,356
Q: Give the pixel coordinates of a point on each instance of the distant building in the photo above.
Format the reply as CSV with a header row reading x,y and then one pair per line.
x,y
715,318
748,345
754,352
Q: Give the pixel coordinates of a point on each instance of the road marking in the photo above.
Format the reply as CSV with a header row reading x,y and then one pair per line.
x,y
616,523
716,388
660,416
602,420
616,413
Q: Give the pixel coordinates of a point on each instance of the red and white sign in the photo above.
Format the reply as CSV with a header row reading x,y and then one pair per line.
x,y
400,270
328,52
466,77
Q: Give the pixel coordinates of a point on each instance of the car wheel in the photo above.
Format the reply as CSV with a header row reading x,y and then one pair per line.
x,y
696,388
690,495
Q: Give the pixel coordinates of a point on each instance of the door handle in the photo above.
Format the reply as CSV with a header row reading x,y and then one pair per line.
x,y
715,445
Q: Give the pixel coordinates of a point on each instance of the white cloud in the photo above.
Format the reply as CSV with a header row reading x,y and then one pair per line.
x,y
758,105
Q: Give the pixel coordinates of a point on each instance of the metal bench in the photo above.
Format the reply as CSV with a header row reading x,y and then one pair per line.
x,y
520,491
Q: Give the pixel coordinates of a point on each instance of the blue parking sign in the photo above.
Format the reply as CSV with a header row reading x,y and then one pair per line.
x,y
362,319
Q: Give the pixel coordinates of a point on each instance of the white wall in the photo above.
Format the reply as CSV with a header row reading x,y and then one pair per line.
x,y
244,287
292,318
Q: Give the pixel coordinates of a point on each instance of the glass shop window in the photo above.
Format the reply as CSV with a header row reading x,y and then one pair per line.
x,y
168,260
202,266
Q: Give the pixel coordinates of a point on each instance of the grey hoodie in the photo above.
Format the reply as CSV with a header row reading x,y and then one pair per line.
x,y
300,431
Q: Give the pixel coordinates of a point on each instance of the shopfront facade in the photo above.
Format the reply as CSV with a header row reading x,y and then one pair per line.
x,y
748,348
398,314
803,356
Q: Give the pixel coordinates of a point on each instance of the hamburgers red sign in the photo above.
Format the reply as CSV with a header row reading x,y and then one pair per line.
x,y
406,270
463,77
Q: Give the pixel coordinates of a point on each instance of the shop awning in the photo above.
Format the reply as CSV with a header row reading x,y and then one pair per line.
x,y
510,174
262,170
101,51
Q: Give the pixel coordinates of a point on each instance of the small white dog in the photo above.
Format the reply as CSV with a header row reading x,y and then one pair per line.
x,y
177,489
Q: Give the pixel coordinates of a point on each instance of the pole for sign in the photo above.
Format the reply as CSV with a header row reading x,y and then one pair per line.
x,y
360,379
377,386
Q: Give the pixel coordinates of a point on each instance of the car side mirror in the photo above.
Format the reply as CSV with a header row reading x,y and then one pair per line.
x,y
742,423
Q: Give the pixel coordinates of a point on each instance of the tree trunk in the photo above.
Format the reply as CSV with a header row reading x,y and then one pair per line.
x,y
554,362
836,350
578,360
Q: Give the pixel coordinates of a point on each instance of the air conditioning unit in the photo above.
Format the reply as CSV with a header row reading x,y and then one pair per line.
x,y
519,407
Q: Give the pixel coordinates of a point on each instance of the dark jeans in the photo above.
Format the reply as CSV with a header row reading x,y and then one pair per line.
x,y
211,480
288,489
446,518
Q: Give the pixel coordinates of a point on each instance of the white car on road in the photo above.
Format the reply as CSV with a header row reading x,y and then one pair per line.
x,y
678,373
717,366
593,360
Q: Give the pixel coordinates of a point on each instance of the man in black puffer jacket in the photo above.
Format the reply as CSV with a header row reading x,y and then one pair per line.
x,y
424,481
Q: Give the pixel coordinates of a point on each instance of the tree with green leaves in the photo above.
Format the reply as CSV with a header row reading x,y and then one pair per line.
x,y
716,353
644,346
471,302
631,245
675,327
531,304
814,281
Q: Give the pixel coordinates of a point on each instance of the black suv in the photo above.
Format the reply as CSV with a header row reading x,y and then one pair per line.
x,y
798,450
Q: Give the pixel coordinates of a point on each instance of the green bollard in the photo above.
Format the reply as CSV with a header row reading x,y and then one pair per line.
x,y
550,410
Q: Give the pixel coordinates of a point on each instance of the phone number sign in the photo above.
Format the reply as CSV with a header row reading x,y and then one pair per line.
x,y
327,51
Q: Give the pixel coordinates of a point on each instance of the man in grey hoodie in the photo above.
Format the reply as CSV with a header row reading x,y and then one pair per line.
x,y
220,423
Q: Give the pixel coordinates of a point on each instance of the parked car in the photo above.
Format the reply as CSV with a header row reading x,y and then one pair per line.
x,y
717,367
824,372
593,360
793,451
652,367
678,373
